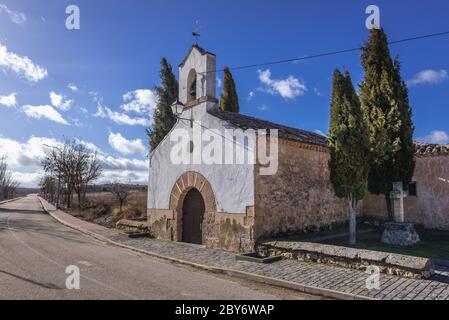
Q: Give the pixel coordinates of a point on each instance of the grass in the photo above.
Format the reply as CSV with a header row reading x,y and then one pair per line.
x,y
103,208
434,244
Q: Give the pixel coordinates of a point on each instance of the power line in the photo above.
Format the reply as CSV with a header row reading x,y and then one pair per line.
x,y
331,53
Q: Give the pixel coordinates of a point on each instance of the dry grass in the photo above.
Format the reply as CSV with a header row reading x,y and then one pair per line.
x,y
103,208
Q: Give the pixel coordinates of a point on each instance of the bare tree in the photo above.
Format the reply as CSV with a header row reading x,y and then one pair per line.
x,y
8,184
49,188
75,165
121,192
87,169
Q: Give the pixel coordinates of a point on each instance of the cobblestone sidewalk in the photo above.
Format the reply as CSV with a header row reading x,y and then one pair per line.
x,y
310,277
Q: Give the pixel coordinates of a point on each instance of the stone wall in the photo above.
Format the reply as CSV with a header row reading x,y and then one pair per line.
x,y
431,206
227,231
299,197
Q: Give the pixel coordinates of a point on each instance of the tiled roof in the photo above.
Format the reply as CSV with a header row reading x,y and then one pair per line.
x,y
428,149
201,50
246,122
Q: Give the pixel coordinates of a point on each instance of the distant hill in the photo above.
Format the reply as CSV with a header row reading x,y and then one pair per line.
x,y
20,191
107,187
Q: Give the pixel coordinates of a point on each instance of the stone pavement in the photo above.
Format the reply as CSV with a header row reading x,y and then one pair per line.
x,y
309,277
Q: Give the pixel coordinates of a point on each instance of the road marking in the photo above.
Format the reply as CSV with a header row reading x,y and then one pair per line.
x,y
10,229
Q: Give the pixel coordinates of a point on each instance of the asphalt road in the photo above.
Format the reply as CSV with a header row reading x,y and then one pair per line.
x,y
35,252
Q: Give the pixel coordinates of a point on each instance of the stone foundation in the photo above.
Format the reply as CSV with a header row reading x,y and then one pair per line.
x,y
226,231
400,234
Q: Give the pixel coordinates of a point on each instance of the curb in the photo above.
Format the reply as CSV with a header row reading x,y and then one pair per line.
x,y
240,274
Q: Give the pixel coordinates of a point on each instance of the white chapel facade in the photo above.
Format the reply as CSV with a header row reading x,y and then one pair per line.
x,y
231,206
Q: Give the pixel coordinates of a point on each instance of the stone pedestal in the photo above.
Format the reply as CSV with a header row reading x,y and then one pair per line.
x,y
400,234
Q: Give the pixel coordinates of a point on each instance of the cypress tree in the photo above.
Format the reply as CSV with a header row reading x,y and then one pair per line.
x,y
384,100
348,142
167,93
229,100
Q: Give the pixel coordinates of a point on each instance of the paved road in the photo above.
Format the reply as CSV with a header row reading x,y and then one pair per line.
x,y
35,251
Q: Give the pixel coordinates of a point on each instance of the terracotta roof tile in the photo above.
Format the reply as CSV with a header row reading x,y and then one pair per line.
x,y
428,149
247,122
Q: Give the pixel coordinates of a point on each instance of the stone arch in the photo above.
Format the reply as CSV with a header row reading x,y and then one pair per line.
x,y
192,85
185,183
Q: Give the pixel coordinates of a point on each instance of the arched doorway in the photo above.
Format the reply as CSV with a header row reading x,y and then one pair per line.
x,y
193,210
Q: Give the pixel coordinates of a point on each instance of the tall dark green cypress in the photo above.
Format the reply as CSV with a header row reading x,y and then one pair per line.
x,y
229,100
348,143
384,100
167,93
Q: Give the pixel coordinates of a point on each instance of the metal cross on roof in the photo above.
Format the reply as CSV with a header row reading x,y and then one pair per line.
x,y
196,31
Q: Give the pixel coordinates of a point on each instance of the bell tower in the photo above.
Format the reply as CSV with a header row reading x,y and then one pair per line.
x,y
197,77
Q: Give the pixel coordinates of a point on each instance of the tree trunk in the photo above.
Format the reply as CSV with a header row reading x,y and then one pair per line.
x,y
79,199
389,207
352,220
121,205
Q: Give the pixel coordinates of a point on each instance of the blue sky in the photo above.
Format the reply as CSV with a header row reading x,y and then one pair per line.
x,y
111,65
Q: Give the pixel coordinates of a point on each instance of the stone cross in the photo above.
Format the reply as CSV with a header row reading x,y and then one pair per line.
x,y
397,196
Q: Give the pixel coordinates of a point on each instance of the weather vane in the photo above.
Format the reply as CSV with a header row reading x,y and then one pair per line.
x,y
196,31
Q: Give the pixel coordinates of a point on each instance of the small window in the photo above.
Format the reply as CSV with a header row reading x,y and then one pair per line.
x,y
191,86
412,190
190,147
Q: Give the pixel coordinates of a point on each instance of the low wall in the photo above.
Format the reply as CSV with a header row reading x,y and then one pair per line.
x,y
389,263
430,208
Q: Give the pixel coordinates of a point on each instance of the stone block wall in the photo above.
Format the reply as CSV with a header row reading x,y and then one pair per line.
x,y
299,197
220,230
431,206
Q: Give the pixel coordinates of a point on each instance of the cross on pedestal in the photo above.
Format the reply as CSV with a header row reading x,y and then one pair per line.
x,y
397,196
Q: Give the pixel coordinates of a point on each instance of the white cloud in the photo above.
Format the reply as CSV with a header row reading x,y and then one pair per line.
x,y
317,92
437,137
83,110
428,77
288,88
89,145
142,101
112,163
8,101
132,177
72,87
264,107
28,154
15,16
60,102
48,112
120,118
251,95
219,82
125,146
28,179
25,159
22,66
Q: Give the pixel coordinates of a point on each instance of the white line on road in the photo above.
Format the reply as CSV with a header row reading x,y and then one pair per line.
x,y
61,265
